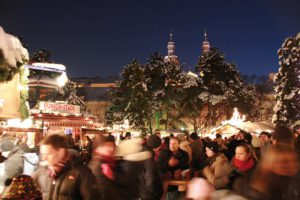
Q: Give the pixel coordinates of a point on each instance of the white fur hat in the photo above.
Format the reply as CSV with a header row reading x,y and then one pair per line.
x,y
132,150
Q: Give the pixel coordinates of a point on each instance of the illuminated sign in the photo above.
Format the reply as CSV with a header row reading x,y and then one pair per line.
x,y
51,107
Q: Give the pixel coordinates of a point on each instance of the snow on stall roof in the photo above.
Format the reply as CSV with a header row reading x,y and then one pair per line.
x,y
45,66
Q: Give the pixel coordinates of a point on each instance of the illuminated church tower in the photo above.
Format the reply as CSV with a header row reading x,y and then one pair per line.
x,y
205,43
171,57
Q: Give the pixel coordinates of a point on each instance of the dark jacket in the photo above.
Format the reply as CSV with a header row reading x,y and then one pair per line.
x,y
165,156
106,186
197,154
127,178
151,185
74,182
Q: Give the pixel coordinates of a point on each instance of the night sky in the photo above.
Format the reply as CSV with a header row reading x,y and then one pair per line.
x,y
97,38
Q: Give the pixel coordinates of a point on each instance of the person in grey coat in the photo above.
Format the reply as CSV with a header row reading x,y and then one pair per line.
x,y
13,164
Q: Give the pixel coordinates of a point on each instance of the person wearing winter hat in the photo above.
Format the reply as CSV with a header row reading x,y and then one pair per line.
x,y
217,167
150,186
13,164
129,167
153,141
197,152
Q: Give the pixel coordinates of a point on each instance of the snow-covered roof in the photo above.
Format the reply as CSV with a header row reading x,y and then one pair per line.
x,y
48,67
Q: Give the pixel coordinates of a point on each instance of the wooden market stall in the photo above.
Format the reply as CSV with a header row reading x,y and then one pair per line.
x,y
34,135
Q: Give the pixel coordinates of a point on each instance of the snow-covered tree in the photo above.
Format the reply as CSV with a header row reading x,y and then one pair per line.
x,y
224,86
41,55
190,103
131,98
71,96
287,83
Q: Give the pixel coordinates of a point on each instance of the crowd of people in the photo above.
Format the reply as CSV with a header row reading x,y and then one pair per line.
x,y
244,166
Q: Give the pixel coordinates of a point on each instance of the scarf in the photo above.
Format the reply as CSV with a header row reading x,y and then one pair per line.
x,y
243,165
54,170
107,165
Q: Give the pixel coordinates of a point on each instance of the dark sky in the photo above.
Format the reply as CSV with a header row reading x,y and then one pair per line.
x,y
99,37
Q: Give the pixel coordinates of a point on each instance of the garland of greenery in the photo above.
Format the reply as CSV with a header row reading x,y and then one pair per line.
x,y
24,108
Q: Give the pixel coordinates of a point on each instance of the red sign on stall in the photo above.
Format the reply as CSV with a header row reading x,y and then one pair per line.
x,y
51,107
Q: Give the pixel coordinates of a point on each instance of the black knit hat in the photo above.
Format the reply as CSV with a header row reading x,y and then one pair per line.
x,y
194,136
213,146
153,141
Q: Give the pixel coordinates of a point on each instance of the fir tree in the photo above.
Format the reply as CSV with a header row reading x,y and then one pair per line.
x,y
41,55
287,86
71,96
131,100
224,86
190,103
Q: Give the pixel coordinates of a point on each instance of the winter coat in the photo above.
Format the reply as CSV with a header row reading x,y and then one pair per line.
x,y
185,146
197,152
217,171
151,185
129,167
74,182
107,187
165,156
12,166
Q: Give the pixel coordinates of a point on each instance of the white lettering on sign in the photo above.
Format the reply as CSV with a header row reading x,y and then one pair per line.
x,y
50,107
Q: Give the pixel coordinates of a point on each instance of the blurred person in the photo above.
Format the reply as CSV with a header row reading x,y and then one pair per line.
x,y
265,142
282,134
13,163
201,189
23,144
155,143
275,175
217,167
128,136
185,145
103,164
89,149
197,152
220,141
165,143
59,177
248,138
151,185
171,163
130,161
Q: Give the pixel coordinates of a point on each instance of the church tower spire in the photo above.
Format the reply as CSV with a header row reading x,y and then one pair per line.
x,y
205,43
171,50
